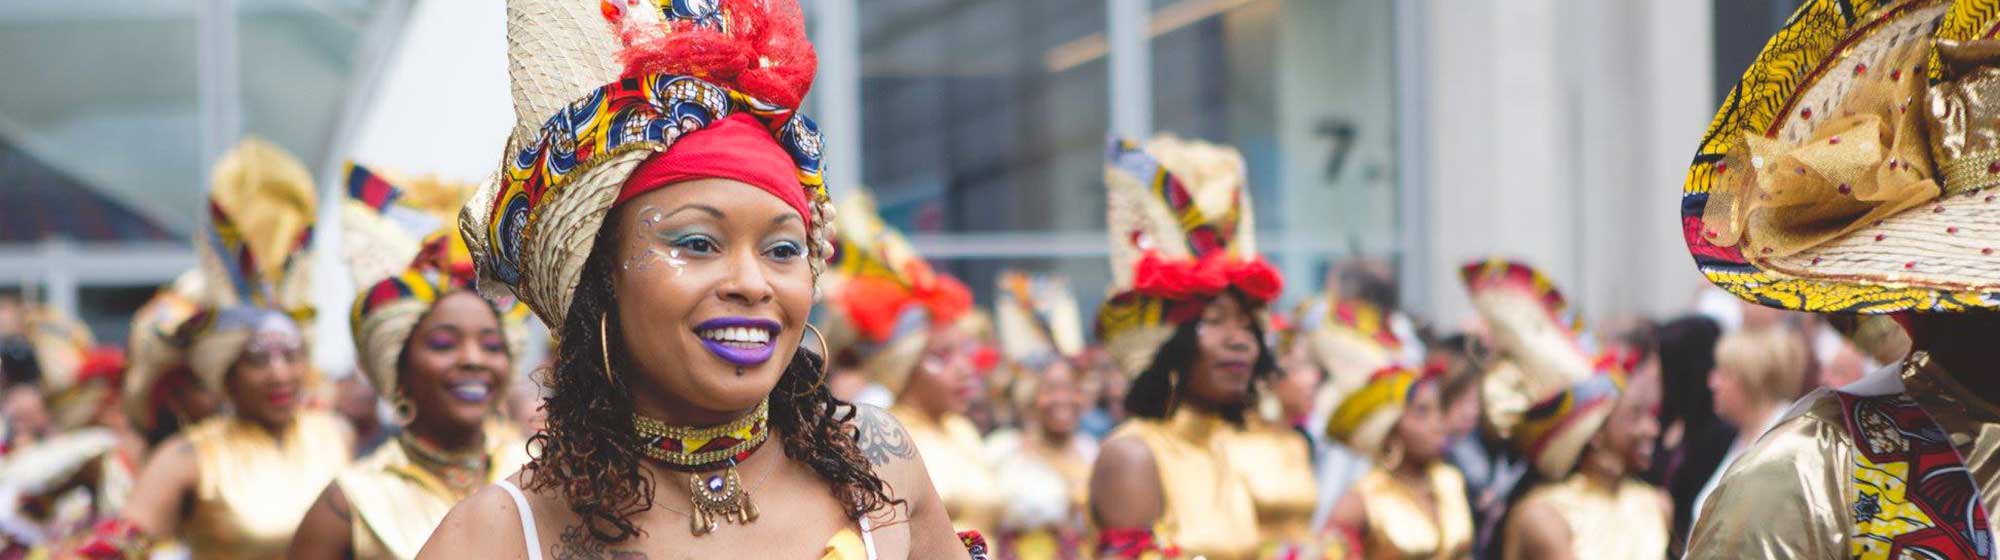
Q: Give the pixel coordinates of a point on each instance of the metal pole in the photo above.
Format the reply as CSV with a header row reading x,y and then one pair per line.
x,y
1127,32
837,38
1413,263
220,85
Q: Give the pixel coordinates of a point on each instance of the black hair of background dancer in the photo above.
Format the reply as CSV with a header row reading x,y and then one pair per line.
x,y
1687,354
590,455
1154,394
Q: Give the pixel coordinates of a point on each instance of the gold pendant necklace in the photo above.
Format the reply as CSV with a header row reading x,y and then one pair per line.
x,y
718,495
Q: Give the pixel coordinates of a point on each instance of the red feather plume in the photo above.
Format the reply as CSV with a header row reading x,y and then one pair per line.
x,y
762,51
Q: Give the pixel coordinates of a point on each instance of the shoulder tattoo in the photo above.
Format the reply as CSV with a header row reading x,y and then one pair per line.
x,y
881,438
577,544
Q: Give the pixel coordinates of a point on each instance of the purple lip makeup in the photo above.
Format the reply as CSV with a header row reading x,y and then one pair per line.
x,y
741,341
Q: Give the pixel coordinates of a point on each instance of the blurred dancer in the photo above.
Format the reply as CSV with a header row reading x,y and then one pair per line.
x,y
161,394
1888,219
1586,429
1351,339
1412,503
905,322
440,354
235,485
1185,318
674,248
1044,467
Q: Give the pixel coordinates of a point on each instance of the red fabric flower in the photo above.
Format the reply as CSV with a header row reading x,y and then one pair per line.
x,y
874,303
1179,280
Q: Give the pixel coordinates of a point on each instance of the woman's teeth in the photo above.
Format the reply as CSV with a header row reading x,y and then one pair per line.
x,y
742,337
471,391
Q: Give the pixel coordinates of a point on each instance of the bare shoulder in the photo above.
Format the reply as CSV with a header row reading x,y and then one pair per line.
x,y
1537,529
882,438
486,525
1125,487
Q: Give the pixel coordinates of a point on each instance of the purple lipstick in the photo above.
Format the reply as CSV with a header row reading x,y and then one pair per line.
x,y
741,341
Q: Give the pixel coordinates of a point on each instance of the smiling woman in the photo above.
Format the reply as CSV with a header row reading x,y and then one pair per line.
x,y
437,352
669,223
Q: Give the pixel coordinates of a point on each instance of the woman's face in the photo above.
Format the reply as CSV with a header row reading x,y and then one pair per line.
x,y
1295,386
1058,399
454,365
264,382
1227,358
1421,430
1729,395
942,383
1634,423
712,287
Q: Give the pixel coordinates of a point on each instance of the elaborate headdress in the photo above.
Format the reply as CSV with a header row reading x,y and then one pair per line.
x,y
405,253
154,349
1350,339
884,300
75,378
599,89
251,252
1037,318
1552,390
1368,414
1182,233
1853,167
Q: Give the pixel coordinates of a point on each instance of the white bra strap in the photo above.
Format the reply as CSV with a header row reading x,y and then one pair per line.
x,y
867,537
528,519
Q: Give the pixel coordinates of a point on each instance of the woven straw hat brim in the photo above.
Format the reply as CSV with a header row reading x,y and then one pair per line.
x,y
1939,256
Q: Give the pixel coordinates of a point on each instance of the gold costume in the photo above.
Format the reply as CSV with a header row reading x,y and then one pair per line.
x,y
1282,484
1401,528
253,489
1207,508
951,451
1046,488
1625,521
397,502
1794,494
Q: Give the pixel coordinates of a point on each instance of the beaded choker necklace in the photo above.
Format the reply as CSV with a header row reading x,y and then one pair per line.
x,y
718,496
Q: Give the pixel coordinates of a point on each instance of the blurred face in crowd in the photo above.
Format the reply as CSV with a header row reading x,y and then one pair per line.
x,y
22,408
943,382
454,365
1422,427
1462,414
1731,394
1298,379
1629,432
1227,355
265,383
712,289
1058,400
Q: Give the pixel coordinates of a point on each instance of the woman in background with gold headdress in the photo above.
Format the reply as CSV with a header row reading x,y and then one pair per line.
x,y
903,323
235,485
1585,428
1184,320
1044,467
1412,503
437,351
161,395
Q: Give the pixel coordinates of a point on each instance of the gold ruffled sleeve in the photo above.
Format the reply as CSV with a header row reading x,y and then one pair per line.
x,y
1787,496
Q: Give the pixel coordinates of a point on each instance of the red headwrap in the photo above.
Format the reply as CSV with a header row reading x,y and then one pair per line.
x,y
736,148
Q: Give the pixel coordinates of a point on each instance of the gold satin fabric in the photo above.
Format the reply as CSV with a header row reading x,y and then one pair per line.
x,y
1207,506
1400,528
397,503
1040,479
1628,520
1276,466
1791,495
1869,161
845,545
253,488
951,448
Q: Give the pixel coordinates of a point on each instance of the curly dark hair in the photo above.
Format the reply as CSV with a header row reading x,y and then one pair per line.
x,y
590,455
1154,394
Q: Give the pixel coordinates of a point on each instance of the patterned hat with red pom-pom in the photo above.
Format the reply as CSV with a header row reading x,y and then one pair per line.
x,y
599,87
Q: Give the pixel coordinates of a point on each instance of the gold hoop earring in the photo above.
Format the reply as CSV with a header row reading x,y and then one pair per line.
x,y
604,346
401,410
820,379
1173,390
